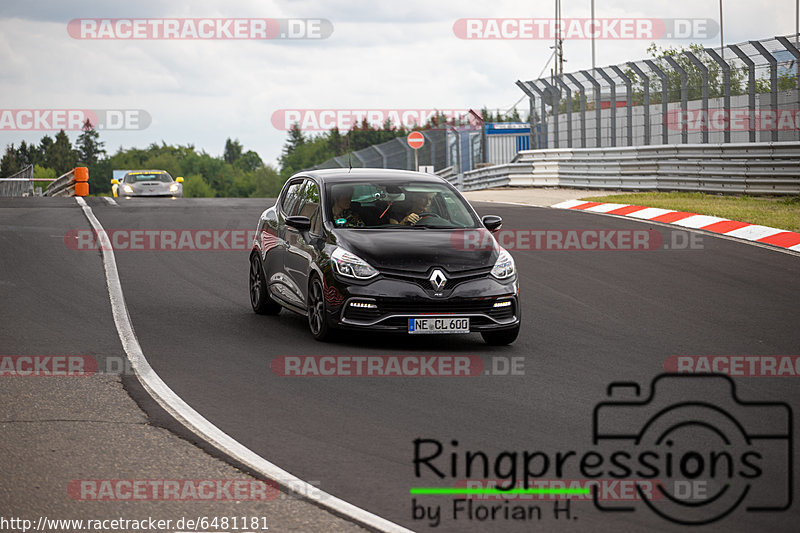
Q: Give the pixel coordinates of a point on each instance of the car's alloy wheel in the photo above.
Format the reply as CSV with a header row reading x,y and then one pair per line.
x,y
259,298
317,321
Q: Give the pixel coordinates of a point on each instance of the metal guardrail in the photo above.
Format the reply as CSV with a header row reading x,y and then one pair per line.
x,y
73,183
743,168
18,184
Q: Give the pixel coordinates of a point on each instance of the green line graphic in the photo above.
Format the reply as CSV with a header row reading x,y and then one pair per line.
x,y
448,490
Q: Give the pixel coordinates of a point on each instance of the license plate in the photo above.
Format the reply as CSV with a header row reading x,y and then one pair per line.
x,y
438,325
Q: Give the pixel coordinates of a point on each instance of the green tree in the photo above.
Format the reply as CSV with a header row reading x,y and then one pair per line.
x,y
10,162
89,146
61,156
233,151
195,186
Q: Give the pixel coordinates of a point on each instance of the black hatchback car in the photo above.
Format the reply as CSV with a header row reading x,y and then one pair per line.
x,y
383,250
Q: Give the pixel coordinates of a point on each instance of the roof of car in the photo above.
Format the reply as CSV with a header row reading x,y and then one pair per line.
x,y
343,174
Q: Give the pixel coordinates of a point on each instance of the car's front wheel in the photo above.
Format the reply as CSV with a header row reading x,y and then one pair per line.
x,y
259,297
317,319
502,337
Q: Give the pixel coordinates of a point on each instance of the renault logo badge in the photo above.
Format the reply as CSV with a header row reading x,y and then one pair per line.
x,y
438,280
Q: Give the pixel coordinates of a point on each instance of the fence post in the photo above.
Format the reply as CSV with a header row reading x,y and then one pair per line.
x,y
597,111
628,100
569,110
532,115
664,98
796,53
684,98
704,78
726,82
773,82
646,100
751,88
542,120
582,93
555,101
613,87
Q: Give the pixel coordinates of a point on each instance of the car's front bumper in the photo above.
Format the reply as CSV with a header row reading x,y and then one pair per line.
x,y
490,304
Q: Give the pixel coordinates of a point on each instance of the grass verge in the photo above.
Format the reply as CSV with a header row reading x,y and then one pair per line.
x,y
776,211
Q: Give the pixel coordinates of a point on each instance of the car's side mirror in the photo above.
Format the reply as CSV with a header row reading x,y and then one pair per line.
x,y
115,182
179,180
492,222
301,224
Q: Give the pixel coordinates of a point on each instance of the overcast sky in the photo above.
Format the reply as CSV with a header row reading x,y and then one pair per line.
x,y
380,55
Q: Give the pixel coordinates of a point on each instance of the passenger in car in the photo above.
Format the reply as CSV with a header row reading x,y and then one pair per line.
x,y
343,216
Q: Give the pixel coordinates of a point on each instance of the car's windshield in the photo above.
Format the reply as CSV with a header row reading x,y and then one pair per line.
x,y
135,177
396,204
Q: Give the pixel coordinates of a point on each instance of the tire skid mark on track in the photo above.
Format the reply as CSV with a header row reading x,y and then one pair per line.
x,y
194,421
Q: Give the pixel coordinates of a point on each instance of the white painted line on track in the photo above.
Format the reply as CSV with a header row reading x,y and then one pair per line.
x,y
111,201
193,420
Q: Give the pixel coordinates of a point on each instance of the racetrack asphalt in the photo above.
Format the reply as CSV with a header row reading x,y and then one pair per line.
x,y
590,318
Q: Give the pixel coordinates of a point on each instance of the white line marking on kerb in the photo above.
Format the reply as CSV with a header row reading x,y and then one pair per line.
x,y
193,420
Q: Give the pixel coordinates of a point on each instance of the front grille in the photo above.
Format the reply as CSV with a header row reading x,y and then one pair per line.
x,y
430,307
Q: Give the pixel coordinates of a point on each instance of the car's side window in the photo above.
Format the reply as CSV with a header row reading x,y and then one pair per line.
x,y
310,207
291,200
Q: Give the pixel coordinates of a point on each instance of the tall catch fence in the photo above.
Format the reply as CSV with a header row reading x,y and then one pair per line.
x,y
749,92
18,184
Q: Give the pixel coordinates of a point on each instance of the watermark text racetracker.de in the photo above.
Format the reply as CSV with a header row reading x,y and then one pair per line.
x,y
578,240
751,366
584,28
345,119
73,119
394,366
161,239
199,28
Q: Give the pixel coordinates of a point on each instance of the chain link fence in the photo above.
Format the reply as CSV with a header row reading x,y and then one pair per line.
x,y
748,92
396,154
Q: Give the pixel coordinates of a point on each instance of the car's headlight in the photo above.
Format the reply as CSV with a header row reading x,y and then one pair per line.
x,y
351,266
127,188
173,187
504,266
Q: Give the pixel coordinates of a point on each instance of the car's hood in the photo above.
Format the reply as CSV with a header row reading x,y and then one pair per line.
x,y
417,250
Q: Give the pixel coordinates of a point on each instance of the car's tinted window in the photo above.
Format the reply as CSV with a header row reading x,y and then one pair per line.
x,y
309,205
290,203
135,177
387,203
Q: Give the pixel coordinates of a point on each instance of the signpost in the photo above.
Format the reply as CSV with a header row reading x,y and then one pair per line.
x,y
416,140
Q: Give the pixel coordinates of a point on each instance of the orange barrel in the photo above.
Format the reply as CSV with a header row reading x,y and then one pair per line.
x,y
81,181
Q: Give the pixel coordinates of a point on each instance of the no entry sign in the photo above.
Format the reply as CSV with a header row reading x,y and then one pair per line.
x,y
416,140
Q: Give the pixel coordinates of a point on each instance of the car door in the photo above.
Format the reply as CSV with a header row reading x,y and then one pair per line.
x,y
301,252
280,284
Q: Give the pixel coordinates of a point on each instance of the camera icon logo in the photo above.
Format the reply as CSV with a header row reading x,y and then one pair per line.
x,y
707,451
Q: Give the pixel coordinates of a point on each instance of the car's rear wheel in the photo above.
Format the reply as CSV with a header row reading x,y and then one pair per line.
x,y
502,337
317,312
259,295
